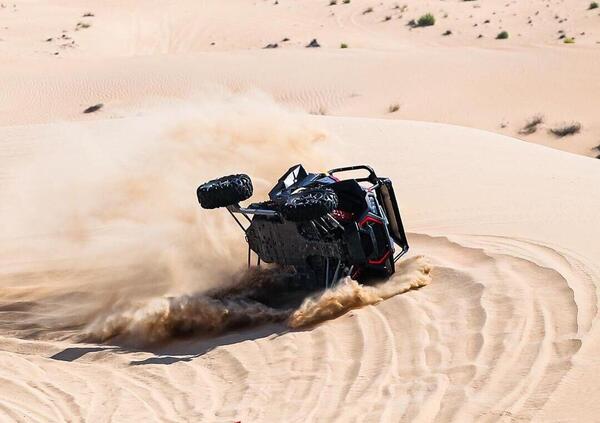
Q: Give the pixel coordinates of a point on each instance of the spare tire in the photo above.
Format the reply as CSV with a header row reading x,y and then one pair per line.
x,y
309,204
224,191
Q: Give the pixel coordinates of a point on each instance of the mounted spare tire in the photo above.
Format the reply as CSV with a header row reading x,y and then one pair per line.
x,y
225,191
309,204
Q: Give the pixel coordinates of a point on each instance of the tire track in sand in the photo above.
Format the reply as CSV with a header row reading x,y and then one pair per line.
x,y
491,338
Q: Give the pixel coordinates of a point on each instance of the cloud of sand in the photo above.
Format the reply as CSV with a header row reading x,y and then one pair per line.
x,y
160,319
103,238
105,215
209,312
349,294
167,317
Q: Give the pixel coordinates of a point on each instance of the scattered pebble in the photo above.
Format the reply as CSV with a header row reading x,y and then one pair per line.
x,y
93,108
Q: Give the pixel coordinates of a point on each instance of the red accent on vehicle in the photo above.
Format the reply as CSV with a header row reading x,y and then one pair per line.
x,y
342,216
382,259
368,219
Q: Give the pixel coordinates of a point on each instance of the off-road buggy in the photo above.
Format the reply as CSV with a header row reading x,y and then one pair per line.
x,y
319,226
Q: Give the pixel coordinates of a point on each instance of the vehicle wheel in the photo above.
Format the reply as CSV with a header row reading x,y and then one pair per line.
x,y
224,191
309,204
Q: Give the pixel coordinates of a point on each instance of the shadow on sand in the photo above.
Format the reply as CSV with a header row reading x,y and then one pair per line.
x,y
176,350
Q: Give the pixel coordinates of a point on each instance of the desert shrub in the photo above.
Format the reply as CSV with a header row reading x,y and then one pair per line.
x,y
426,20
532,125
569,40
332,2
313,44
82,25
593,5
566,129
345,1
392,108
502,35
343,45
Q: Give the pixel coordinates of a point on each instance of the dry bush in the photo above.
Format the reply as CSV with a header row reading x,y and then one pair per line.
x,y
566,129
532,125
392,108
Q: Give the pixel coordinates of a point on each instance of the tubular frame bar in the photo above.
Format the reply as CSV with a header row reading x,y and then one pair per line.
x,y
236,220
371,178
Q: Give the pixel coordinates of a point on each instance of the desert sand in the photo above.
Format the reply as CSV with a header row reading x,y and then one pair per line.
x,y
107,262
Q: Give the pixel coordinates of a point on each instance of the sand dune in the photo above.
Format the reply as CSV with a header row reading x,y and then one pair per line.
x,y
136,56
122,300
499,332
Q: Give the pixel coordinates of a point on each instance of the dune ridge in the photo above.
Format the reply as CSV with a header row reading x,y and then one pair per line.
x,y
121,300
499,333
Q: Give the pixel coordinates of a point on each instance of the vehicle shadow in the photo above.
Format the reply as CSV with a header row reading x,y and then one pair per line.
x,y
75,353
179,349
191,348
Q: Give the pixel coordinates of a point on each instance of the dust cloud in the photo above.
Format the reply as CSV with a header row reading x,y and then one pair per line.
x,y
214,312
102,237
104,216
348,294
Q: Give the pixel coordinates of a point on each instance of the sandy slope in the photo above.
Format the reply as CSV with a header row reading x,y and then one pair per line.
x,y
504,331
146,53
99,224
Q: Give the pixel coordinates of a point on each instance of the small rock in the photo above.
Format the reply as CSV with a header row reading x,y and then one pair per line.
x,y
94,108
313,44
271,45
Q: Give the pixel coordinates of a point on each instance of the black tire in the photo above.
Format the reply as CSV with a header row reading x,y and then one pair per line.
x,y
309,204
224,191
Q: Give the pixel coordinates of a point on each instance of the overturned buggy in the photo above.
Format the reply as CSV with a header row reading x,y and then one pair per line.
x,y
320,226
